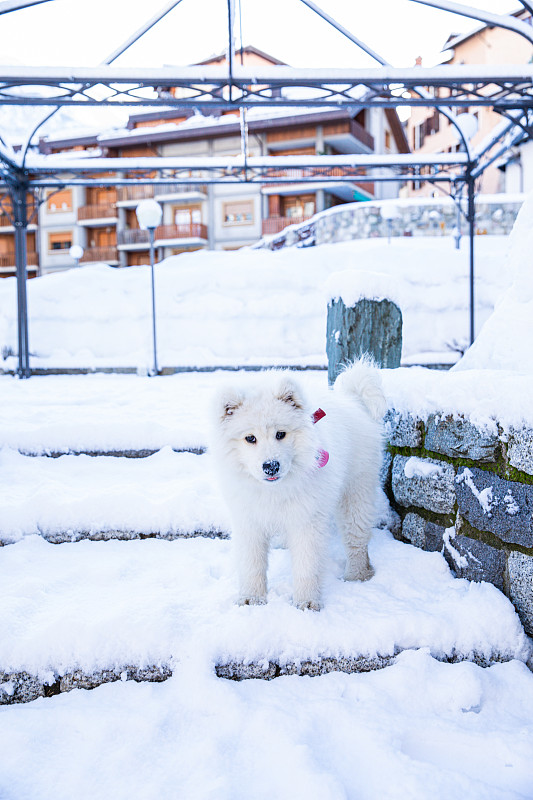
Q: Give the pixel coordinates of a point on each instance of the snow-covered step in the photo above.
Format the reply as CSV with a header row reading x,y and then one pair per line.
x,y
111,610
113,413
130,453
65,499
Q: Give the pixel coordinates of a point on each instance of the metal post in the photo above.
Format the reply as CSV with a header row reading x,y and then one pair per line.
x,y
152,237
471,217
20,214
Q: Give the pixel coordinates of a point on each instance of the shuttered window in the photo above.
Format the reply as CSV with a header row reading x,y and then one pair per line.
x,y
238,212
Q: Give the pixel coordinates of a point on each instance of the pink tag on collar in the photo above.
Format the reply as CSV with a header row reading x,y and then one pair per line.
x,y
317,415
322,457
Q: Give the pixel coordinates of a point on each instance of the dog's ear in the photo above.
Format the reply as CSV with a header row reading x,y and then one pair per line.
x,y
227,403
289,392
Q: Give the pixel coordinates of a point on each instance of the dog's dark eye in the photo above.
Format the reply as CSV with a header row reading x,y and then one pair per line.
x,y
280,435
250,439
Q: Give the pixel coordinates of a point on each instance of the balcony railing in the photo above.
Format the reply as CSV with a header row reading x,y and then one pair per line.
x,y
97,212
136,193
8,259
277,224
358,132
193,230
135,236
105,254
180,188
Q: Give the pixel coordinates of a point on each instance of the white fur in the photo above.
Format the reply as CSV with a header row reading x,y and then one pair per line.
x,y
304,498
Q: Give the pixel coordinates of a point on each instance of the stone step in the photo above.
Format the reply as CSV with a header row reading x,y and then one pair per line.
x,y
81,615
21,687
165,495
130,453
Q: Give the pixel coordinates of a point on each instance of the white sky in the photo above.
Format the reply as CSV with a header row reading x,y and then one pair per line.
x,y
81,33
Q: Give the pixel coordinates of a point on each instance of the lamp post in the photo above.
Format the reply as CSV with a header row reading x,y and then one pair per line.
x,y
76,252
389,212
467,125
149,214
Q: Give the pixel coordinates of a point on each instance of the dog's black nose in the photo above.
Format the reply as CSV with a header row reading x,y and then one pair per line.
x,y
271,468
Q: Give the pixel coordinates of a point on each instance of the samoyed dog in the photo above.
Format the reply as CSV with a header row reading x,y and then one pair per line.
x,y
289,467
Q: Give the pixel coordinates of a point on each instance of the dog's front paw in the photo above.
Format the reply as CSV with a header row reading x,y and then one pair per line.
x,y
254,600
312,605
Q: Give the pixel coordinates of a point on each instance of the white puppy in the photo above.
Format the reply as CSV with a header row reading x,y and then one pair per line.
x,y
286,468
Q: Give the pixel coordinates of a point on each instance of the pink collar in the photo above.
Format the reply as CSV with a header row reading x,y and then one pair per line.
x,y
322,456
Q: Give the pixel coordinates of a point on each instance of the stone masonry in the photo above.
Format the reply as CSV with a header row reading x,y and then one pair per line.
x,y
467,493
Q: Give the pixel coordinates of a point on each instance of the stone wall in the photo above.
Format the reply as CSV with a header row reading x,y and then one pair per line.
x,y
495,215
467,493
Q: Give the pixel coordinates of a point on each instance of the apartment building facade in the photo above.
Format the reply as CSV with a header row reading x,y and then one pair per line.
x,y
202,216
430,132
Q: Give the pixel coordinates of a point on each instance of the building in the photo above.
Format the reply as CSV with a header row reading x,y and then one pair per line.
x,y
210,216
430,132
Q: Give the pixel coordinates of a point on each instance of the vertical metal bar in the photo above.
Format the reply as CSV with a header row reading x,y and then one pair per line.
x,y
231,45
152,237
471,216
20,213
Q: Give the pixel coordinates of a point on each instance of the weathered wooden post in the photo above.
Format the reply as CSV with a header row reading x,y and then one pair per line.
x,y
362,326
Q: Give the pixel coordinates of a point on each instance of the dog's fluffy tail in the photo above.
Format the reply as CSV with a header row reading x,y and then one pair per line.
x,y
363,380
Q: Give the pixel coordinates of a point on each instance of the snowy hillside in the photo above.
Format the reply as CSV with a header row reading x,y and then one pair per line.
x,y
250,306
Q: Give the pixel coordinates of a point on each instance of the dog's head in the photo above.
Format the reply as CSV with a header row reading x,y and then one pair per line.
x,y
265,431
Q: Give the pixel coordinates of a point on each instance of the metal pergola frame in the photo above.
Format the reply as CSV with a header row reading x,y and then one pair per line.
x,y
508,90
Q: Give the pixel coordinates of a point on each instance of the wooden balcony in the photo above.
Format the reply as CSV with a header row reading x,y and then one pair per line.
x,y
163,233
109,255
7,261
92,212
180,188
360,133
274,225
134,194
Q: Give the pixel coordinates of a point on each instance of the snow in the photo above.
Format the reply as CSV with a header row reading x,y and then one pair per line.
x,y
101,604
484,497
166,493
353,285
209,303
504,342
416,728
420,468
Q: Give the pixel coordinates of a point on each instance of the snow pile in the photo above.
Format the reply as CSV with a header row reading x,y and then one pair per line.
x,y
505,339
417,729
245,307
353,285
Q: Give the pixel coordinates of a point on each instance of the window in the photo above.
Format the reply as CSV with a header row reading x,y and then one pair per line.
x,y
298,207
60,201
59,241
238,212
186,216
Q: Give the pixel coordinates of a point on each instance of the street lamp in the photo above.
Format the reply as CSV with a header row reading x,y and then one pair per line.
x,y
149,214
76,252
